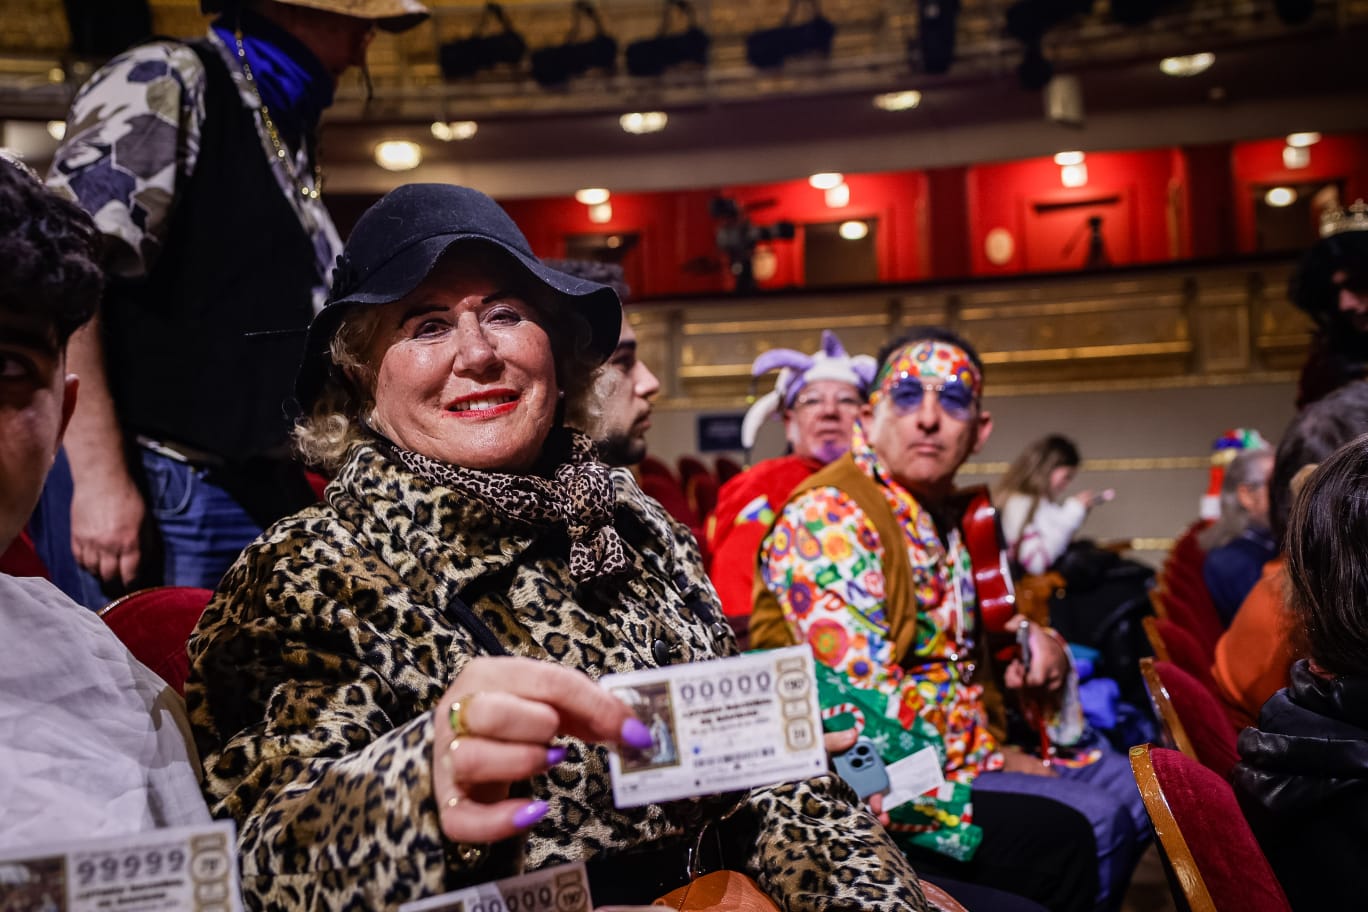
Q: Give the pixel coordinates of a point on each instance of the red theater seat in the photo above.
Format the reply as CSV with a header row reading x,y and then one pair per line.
x,y
1194,720
155,624
1216,861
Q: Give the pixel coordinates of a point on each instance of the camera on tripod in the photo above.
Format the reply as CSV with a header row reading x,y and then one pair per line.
x,y
737,236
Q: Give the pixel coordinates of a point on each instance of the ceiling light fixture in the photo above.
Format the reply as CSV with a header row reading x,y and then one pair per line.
x,y
1278,197
1296,157
639,122
826,180
854,230
449,131
592,196
1303,140
1189,65
398,155
57,129
898,101
1064,159
1074,175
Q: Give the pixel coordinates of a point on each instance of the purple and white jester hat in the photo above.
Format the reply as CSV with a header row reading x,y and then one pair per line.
x,y
797,370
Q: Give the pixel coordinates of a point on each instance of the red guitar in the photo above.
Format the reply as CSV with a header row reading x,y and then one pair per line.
x,y
988,553
996,597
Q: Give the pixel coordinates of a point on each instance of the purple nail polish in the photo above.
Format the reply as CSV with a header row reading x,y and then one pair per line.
x,y
555,755
636,734
529,814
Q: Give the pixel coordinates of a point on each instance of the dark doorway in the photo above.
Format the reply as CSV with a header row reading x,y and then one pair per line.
x,y
834,257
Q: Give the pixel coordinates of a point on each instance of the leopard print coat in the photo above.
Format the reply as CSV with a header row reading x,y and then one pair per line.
x,y
316,665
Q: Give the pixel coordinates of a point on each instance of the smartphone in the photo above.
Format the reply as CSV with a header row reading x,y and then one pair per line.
x,y
862,767
1023,637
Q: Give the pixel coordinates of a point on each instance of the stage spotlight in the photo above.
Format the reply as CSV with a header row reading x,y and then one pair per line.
x,y
1294,12
1034,71
769,48
936,33
556,65
653,56
467,56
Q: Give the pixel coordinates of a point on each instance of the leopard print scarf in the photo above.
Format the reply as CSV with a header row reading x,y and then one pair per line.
x,y
577,496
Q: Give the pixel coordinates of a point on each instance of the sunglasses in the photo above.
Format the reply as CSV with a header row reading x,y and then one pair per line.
x,y
955,399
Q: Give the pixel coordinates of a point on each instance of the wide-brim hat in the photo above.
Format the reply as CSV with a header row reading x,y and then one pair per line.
x,y
389,15
397,242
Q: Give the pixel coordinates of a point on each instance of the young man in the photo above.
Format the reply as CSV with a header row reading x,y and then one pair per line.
x,y
819,396
198,163
624,387
91,742
867,565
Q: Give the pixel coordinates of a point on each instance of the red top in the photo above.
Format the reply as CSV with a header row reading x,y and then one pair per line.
x,y
747,506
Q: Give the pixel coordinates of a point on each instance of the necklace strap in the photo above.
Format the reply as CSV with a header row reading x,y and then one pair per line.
x,y
282,154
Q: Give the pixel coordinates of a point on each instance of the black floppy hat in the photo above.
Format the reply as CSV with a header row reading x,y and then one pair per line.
x,y
399,240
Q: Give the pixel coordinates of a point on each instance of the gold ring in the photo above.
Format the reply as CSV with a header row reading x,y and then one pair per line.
x,y
456,714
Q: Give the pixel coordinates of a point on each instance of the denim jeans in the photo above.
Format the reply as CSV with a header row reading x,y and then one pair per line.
x,y
201,527
50,528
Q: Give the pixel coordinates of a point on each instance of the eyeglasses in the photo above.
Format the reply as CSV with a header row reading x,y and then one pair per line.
x,y
840,403
955,399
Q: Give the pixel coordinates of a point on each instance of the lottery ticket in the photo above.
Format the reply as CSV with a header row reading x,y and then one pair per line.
x,y
181,869
718,726
560,889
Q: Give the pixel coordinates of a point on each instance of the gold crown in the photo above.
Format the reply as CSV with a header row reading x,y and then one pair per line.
x,y
1339,220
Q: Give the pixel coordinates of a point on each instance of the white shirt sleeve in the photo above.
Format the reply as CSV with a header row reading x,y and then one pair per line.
x,y
92,743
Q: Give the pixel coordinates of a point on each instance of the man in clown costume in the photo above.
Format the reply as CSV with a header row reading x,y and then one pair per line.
x,y
865,563
819,396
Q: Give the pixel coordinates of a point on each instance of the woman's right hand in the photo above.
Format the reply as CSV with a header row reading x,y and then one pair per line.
x,y
1090,499
508,711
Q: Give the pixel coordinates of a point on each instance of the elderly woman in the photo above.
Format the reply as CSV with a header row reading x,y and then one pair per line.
x,y
390,685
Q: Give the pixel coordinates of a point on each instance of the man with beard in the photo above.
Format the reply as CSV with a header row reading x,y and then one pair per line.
x,y
619,413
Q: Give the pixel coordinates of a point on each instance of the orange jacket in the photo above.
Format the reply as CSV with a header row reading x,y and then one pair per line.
x,y
1253,656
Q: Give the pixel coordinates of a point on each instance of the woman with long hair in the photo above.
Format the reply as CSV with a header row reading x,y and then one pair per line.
x,y
1038,521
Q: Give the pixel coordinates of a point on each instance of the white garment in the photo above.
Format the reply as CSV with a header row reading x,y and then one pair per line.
x,y
1036,540
92,743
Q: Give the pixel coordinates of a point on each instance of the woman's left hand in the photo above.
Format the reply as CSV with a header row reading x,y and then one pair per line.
x,y
838,742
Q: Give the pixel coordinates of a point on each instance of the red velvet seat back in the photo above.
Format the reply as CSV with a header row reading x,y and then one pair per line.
x,y
671,497
1205,722
155,624
701,492
21,559
726,468
691,467
1212,850
1186,652
1194,612
649,465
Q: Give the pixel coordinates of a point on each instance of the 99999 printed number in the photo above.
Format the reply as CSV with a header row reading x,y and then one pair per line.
x,y
150,863
743,684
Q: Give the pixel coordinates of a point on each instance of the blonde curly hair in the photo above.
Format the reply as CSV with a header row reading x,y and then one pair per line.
x,y
338,420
